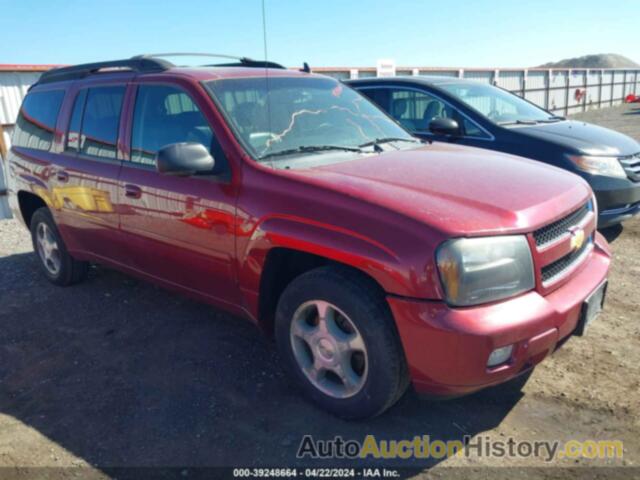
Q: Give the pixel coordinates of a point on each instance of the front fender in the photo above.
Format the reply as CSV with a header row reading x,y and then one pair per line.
x,y
381,262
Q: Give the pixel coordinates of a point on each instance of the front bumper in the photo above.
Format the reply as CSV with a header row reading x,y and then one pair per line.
x,y
447,348
618,199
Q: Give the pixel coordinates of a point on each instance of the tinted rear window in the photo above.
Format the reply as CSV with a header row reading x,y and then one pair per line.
x,y
36,122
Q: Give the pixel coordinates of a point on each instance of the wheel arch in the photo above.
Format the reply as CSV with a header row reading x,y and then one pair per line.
x,y
282,266
282,249
28,203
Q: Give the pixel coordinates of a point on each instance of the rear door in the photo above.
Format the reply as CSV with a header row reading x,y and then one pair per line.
x,y
85,180
179,229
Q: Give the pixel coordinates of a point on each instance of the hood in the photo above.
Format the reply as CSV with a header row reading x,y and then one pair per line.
x,y
458,190
584,137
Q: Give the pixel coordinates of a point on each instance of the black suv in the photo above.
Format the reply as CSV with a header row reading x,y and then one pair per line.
x,y
472,113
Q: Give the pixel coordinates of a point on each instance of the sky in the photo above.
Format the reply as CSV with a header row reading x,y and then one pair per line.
x,y
443,33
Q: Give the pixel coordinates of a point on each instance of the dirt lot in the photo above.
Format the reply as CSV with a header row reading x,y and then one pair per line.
x,y
117,373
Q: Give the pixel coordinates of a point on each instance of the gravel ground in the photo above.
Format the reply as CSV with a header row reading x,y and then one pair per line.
x,y
115,372
624,118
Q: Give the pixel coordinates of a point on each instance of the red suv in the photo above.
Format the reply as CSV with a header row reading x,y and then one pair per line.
x,y
287,198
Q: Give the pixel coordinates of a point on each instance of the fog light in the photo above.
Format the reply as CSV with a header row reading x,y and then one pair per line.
x,y
499,355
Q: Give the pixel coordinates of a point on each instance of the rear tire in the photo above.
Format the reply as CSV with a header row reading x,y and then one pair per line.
x,y
58,266
337,336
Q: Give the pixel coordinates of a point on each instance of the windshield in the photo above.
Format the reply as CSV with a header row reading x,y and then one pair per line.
x,y
498,105
280,116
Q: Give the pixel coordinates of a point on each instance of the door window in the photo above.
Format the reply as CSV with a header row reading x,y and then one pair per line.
x,y
100,121
164,115
414,110
73,135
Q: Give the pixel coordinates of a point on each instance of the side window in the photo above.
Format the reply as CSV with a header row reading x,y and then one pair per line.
x,y
379,96
164,115
415,110
472,130
73,135
36,122
100,121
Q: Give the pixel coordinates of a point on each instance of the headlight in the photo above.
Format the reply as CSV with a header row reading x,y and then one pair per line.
x,y
608,166
481,270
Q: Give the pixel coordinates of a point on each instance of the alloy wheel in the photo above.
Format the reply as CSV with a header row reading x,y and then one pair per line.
x,y
329,349
48,250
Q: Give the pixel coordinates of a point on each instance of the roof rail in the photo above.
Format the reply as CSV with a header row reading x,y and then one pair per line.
x,y
148,63
240,61
136,64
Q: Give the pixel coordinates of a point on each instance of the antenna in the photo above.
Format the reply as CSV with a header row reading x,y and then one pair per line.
x,y
264,31
266,63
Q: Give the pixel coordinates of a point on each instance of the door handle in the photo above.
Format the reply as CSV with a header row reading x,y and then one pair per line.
x,y
62,176
132,191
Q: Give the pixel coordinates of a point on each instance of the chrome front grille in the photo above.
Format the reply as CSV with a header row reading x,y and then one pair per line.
x,y
564,245
550,233
556,269
631,165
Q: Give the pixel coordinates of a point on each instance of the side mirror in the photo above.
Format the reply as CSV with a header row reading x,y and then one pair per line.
x,y
444,126
184,159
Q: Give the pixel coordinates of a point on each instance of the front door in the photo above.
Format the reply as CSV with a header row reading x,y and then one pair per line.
x,y
415,109
179,229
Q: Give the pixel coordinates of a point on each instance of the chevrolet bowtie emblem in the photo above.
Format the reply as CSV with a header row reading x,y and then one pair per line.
x,y
577,238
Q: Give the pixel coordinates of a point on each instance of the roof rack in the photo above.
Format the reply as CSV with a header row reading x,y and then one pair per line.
x,y
247,62
240,61
136,64
147,63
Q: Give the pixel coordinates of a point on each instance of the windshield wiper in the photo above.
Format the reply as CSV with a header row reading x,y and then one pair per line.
x,y
308,149
518,122
378,141
552,119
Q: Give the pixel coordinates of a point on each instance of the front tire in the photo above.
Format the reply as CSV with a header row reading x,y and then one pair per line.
x,y
339,342
59,267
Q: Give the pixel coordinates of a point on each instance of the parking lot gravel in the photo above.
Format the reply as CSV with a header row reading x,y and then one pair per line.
x,y
115,372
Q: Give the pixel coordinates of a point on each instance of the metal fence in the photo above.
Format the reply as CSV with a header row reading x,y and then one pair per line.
x,y
562,91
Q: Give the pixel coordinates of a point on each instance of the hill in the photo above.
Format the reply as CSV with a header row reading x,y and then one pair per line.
x,y
602,60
